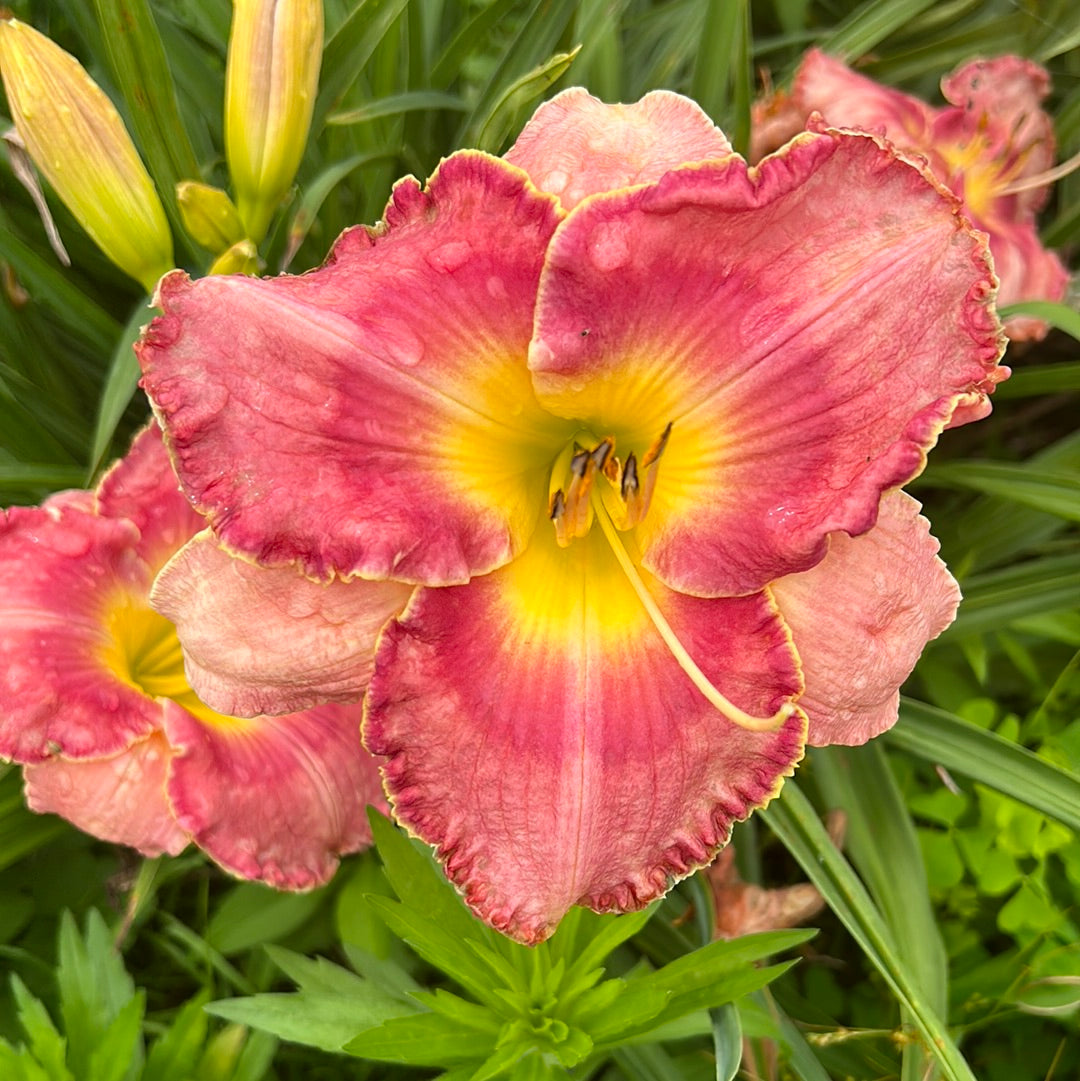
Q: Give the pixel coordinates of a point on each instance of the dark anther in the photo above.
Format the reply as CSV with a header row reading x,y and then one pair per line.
x,y
578,463
600,453
629,485
557,505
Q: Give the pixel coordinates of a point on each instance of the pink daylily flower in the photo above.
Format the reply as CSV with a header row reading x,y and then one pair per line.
x,y
593,427
992,145
97,708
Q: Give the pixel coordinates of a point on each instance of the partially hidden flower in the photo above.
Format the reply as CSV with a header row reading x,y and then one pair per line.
x,y
95,705
271,79
76,138
623,411
992,145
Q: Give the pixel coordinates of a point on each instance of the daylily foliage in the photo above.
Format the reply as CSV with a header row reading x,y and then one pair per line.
x,y
618,421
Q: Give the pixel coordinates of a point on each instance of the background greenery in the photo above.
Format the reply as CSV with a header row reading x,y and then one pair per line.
x,y
950,944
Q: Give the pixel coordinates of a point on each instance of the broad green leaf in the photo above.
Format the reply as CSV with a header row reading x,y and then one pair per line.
x,y
424,1040
459,1009
715,68
35,474
118,1055
94,987
795,822
316,974
974,752
327,1020
173,1055
391,977
1046,490
254,914
418,882
442,947
43,1040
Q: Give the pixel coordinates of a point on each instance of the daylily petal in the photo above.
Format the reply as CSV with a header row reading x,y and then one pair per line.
x,y
575,145
143,488
542,735
860,619
403,439
268,640
807,328
65,577
276,799
994,135
825,85
1000,99
119,799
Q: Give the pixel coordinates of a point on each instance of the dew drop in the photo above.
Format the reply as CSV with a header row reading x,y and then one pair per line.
x,y
609,246
405,348
555,182
450,256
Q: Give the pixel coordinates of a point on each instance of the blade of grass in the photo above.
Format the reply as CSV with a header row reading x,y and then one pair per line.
x,y
869,24
1057,492
1040,379
963,747
882,843
1057,315
996,598
120,386
795,822
395,104
348,51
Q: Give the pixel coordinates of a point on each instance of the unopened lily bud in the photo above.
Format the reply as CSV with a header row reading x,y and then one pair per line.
x,y
241,258
76,138
271,78
210,216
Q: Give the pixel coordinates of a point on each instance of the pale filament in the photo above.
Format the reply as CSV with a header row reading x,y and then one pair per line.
x,y
678,650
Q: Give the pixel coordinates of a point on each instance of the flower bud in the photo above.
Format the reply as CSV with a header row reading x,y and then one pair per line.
x,y
271,80
241,258
76,138
209,215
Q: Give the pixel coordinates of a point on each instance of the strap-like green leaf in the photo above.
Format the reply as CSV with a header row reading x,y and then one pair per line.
x,y
795,822
1057,492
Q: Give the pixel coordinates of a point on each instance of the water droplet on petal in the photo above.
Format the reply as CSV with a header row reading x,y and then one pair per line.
x,y
450,256
609,246
405,348
555,182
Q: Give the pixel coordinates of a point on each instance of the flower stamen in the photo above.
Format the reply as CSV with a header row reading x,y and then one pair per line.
x,y
731,711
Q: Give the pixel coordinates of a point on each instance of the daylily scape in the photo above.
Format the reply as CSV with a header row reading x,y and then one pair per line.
x,y
589,458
